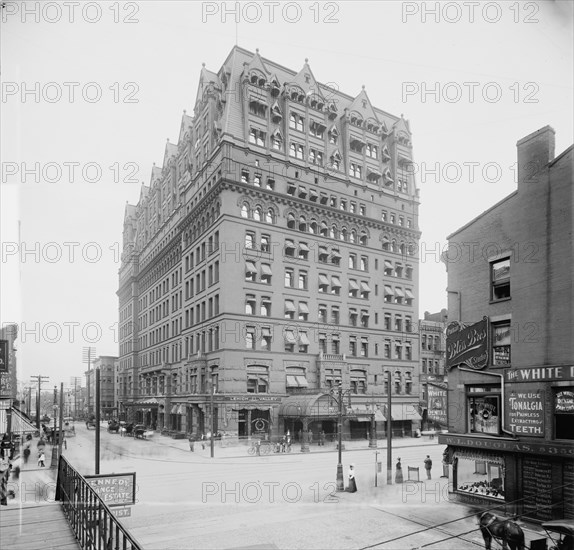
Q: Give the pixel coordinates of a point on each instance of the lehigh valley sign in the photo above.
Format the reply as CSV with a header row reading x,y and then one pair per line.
x,y
467,344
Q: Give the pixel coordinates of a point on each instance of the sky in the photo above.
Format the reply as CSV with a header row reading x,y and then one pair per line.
x,y
91,93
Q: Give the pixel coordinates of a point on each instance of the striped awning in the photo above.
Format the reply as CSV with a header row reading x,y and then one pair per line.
x,y
20,424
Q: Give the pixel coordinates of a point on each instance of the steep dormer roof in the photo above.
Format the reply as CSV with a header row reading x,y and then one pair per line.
x,y
129,211
170,152
362,105
402,125
306,80
206,79
257,64
155,174
186,123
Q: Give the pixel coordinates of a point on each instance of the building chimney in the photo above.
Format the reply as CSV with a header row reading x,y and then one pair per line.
x,y
535,151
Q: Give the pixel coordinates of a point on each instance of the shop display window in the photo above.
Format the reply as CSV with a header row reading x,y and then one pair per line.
x,y
481,475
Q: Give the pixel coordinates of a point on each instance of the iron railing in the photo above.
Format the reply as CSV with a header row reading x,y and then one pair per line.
x,y
93,523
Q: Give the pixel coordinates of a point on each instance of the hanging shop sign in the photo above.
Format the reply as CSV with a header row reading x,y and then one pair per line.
x,y
525,412
539,374
437,404
467,344
3,355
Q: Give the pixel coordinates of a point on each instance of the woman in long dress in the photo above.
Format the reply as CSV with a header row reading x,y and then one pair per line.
x,y
399,472
352,487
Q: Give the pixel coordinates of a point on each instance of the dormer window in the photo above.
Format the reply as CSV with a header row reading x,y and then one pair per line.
x,y
257,107
357,144
387,177
316,129
276,114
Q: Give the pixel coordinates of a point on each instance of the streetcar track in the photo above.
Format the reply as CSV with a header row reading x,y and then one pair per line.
x,y
428,526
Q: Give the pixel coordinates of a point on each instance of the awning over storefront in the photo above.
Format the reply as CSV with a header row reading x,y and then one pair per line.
x,y
316,406
478,454
19,423
404,411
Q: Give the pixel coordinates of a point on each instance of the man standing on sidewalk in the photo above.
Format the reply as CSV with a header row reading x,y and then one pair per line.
x,y
428,466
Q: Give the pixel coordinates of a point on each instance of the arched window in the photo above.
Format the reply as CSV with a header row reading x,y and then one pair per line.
x,y
364,238
324,229
302,224
257,214
313,227
334,232
393,246
344,235
353,236
291,221
270,216
244,211
402,249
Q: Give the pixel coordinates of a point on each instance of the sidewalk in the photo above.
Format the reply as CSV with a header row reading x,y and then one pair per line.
x,y
236,449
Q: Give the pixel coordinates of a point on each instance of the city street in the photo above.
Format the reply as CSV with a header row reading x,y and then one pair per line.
x,y
188,500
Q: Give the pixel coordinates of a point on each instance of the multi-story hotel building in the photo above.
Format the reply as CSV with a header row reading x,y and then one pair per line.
x,y
272,256
511,379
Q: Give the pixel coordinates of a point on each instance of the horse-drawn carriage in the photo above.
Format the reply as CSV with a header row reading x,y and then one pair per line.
x,y
509,534
113,426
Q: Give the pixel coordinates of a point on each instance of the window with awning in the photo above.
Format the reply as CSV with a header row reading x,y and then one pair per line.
x,y
303,308
335,282
388,264
250,268
304,247
289,336
266,269
303,339
289,305
388,290
409,294
399,292
353,285
365,287
323,280
336,255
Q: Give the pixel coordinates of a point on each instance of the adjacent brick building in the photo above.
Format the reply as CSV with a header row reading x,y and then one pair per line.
x,y
511,377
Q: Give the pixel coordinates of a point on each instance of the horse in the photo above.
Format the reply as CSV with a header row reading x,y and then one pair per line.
x,y
506,531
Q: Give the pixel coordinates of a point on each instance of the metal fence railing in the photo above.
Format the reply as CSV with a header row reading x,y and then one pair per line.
x,y
93,523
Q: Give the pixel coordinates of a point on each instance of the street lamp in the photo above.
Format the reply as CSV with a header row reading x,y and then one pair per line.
x,y
373,435
339,399
212,442
88,353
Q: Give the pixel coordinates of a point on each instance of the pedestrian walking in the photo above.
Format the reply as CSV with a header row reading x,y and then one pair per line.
x,y
428,466
4,474
352,487
41,459
192,443
399,472
26,453
322,438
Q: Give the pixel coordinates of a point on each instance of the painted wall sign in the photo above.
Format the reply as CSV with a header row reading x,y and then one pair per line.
x,y
114,489
552,449
538,374
564,402
437,404
3,355
525,413
467,344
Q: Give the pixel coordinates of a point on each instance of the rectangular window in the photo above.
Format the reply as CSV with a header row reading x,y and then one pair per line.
x,y
564,413
500,343
500,279
484,409
289,278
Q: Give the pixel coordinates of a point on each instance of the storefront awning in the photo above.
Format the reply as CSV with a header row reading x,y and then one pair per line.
x,y
404,411
314,406
19,423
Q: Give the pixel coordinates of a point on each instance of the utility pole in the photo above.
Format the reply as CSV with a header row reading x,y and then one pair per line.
x,y
97,466
61,432
389,433
38,379
87,355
